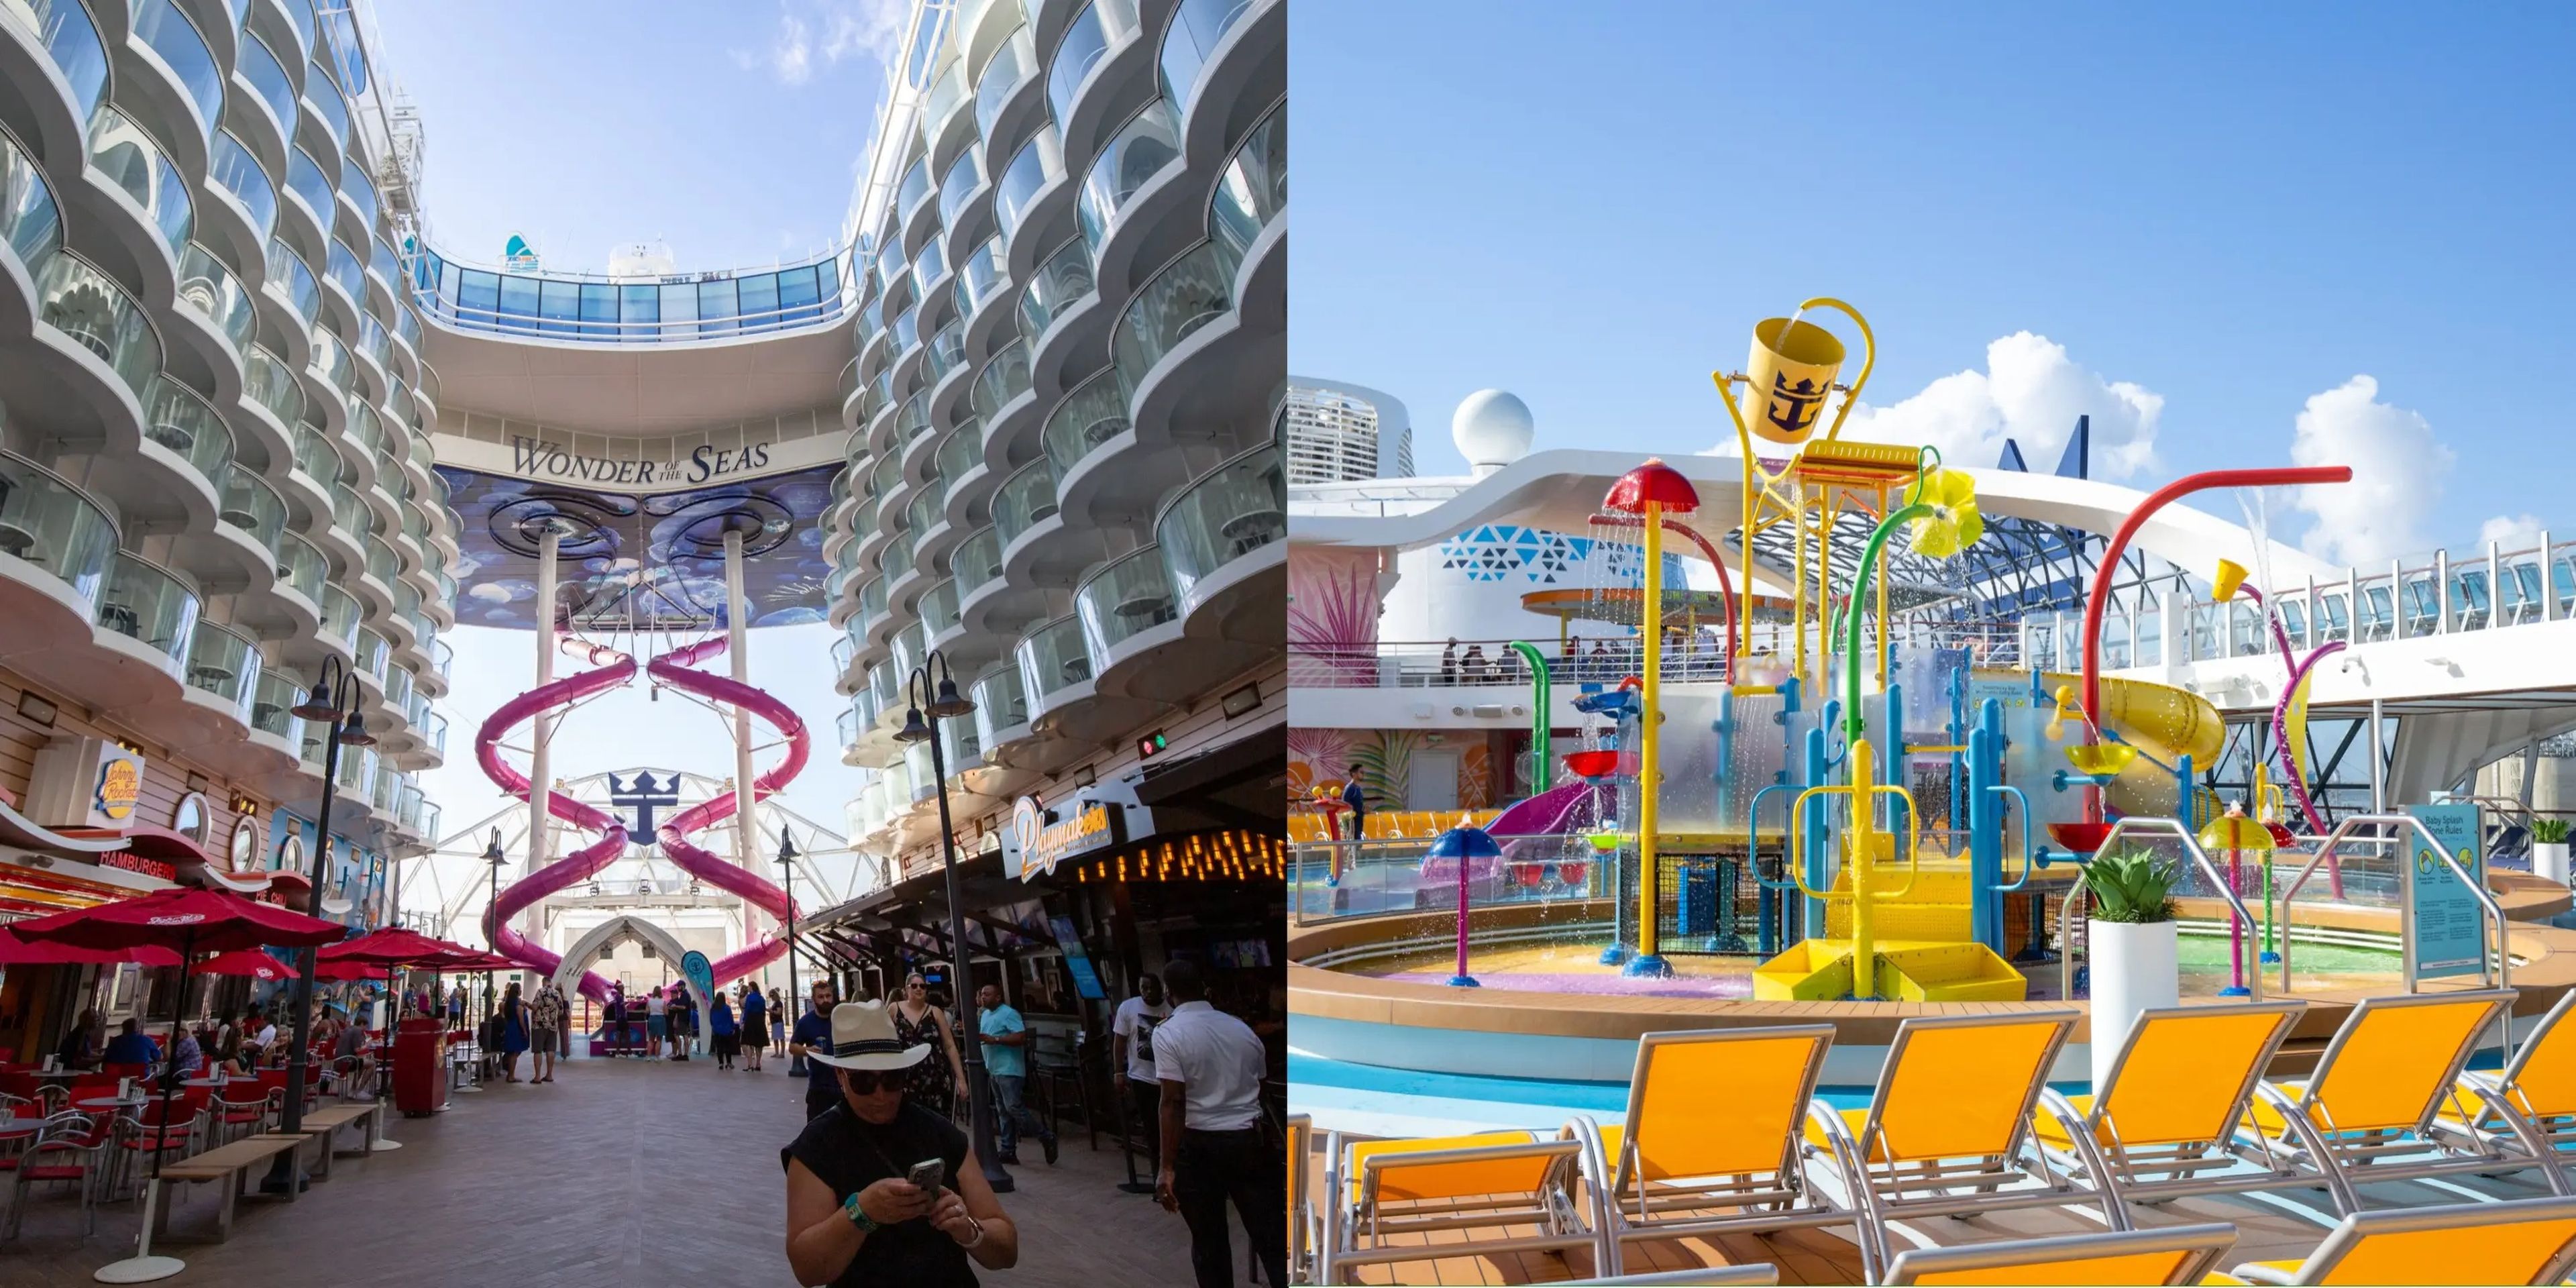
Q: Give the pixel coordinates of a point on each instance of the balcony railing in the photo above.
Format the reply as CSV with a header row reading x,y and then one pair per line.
x,y
1093,414
310,184
1195,32
29,220
1064,278
250,504
1100,27
1003,75
1005,377
1122,599
1052,657
272,384
977,561
303,568
210,288
137,162
629,311
147,602
223,662
1254,188
1026,499
1186,294
70,37
232,168
1038,163
48,522
272,707
176,418
1141,149
1491,663
169,33
294,279
88,306
1237,509
1001,701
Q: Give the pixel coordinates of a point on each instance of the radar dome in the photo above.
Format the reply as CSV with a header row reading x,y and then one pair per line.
x,y
1492,429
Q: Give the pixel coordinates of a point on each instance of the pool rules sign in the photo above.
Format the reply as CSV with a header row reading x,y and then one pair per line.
x,y
2448,933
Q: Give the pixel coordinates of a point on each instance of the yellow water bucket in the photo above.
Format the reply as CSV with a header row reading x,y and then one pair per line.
x,y
1792,368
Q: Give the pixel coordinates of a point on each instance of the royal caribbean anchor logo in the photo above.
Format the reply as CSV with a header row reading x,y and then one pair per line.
x,y
1794,407
642,795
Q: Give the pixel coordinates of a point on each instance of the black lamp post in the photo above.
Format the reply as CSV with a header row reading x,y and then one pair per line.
x,y
492,906
943,703
787,867
333,702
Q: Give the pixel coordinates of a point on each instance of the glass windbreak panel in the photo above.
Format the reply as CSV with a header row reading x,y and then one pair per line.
x,y
143,601
292,276
72,40
343,267
719,304
939,608
477,295
29,220
1001,701
176,418
518,309
801,292
915,185
1064,278
1026,499
980,277
1088,417
1128,595
232,168
1093,32
250,504
558,306
1037,164
305,178
679,311
964,176
272,707
756,297
224,664
1005,377
159,24
360,190
1254,188
210,288
1193,35
1146,144
599,309
1237,509
271,384
327,103
1052,657
1010,66
947,351
88,305
1189,293
930,264
638,308
267,75
977,560
49,523
136,162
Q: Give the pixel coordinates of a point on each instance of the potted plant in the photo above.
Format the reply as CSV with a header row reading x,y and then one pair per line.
x,y
2131,940
2549,848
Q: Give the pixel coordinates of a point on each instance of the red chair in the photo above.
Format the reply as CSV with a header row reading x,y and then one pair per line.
x,y
71,1146
148,1129
138,1072
246,1104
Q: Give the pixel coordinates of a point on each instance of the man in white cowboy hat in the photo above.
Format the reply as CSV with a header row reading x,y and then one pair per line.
x,y
854,1216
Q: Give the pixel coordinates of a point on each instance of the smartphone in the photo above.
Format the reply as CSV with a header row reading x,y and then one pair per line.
x,y
927,1174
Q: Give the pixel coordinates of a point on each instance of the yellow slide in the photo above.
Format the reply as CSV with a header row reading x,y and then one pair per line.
x,y
2160,720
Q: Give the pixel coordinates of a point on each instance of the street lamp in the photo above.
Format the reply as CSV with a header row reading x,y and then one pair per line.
x,y
945,701
492,906
333,702
787,866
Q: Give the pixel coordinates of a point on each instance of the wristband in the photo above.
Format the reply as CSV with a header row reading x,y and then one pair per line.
x,y
858,1216
979,1233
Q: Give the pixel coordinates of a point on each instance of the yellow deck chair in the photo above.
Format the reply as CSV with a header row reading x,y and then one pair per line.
x,y
2164,1126
2180,1254
1713,1122
2369,1112
1299,1131
2525,1241
2531,1104
1947,1132
1388,1199
1758,1272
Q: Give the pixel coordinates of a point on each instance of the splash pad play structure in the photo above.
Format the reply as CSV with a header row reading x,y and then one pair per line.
x,y
1867,806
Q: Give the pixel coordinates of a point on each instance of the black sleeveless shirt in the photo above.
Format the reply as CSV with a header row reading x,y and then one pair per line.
x,y
849,1155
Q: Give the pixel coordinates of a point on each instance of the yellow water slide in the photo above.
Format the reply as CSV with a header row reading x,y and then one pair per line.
x,y
2160,720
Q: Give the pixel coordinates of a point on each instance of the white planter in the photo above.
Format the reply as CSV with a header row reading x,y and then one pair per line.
x,y
2549,859
2134,970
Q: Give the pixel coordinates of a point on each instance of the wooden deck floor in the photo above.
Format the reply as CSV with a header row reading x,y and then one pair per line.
x,y
619,1173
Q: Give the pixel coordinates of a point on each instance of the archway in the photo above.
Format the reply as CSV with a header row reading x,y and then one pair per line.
x,y
609,934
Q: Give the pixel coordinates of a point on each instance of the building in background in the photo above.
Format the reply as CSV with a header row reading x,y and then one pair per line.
x,y
1342,433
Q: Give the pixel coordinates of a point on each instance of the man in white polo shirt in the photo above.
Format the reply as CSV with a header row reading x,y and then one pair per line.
x,y
1213,1144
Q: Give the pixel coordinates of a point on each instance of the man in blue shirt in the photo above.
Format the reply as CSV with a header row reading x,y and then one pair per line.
x,y
1006,1062
131,1047
813,1035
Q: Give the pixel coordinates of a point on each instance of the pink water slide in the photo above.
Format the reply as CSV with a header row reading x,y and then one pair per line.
x,y
677,669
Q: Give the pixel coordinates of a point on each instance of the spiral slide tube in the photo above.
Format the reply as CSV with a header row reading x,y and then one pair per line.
x,y
612,669
676,668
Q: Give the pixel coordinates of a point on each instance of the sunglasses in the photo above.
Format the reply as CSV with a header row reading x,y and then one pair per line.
x,y
868,1082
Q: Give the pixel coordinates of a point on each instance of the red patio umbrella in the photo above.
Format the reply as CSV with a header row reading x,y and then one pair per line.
x,y
344,972
245,961
18,952
197,921
390,949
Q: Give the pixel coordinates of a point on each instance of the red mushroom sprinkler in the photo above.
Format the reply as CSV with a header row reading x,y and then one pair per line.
x,y
1650,492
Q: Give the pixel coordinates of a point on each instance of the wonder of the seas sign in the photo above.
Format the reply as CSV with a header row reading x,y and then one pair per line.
x,y
537,458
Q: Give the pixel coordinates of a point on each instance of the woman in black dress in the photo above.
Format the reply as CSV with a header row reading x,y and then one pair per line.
x,y
938,1082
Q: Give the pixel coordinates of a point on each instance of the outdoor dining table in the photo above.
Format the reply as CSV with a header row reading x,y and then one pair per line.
x,y
20,1125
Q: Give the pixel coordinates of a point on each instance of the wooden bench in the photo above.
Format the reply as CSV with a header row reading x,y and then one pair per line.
x,y
232,1164
328,1123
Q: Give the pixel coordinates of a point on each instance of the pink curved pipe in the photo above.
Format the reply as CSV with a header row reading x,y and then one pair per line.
x,y
612,669
676,668
2281,731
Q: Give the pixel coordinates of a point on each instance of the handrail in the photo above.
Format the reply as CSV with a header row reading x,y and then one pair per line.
x,y
2018,795
2200,859
2486,899
1913,826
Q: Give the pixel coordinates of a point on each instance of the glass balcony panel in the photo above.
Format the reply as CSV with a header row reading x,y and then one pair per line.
x,y
224,663
947,351
930,264
1146,144
910,423
47,522
1235,510
1001,702
331,358
756,301
160,25
250,504
340,616
176,418
882,682
360,190
294,278
211,289
343,267
1039,162
1127,595
1253,189
939,608
924,514
71,39
896,559
964,749
1189,293
881,480
272,707
1003,76
327,104
29,220
306,178
381,563
232,168
136,162
1026,499
915,185
144,601
348,513
1005,377
1064,278
946,95
1093,32
959,453
872,599
267,76
1194,34
907,330
272,384
398,689
980,277
1051,657
964,176
407,325
88,305
1091,415
977,561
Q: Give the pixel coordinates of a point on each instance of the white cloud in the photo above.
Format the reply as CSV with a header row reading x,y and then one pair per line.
x,y
2511,531
2398,467
873,28
2030,392
869,29
791,57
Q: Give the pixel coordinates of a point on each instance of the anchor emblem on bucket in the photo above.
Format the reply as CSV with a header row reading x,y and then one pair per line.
x,y
1790,372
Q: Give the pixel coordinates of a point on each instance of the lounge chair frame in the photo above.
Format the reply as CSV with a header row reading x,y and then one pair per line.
x,y
2202,1245
2162,1172
2502,1099
2357,1227
1356,1231
1300,1133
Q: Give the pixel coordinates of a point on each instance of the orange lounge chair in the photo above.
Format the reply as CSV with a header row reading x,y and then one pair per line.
x,y
2164,1125
1384,1193
2531,1103
2526,1241
2179,1254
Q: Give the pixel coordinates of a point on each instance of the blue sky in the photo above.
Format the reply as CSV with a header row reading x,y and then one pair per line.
x,y
2218,216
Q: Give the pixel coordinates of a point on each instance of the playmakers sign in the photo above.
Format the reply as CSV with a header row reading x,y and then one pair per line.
x,y
536,458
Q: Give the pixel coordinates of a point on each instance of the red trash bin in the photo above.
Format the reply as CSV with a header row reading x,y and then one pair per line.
x,y
420,1067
